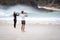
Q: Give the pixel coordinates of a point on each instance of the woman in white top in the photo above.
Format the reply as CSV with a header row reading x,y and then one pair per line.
x,y
23,15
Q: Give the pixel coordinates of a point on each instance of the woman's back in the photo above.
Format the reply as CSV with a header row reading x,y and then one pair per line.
x,y
22,16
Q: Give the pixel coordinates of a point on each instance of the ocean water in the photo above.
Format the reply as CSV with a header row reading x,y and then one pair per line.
x,y
34,15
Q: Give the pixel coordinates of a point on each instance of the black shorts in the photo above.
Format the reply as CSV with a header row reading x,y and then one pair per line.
x,y
23,21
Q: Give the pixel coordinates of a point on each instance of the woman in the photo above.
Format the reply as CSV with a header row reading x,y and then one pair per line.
x,y
15,19
23,15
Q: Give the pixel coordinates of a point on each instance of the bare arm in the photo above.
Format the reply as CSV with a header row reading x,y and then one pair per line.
x,y
26,15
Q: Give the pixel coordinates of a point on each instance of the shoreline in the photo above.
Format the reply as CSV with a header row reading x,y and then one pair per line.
x,y
11,22
33,20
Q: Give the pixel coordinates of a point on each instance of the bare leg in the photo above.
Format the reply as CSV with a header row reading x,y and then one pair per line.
x,y
22,27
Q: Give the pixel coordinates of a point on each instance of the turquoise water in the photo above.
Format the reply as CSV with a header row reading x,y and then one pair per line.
x,y
32,12
41,14
45,14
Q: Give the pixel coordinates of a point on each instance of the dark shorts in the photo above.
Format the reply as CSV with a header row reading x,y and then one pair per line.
x,y
23,21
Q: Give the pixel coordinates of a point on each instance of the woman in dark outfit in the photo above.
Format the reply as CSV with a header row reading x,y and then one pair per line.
x,y
15,19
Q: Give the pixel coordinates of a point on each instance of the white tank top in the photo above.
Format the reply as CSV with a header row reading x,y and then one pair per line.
x,y
22,16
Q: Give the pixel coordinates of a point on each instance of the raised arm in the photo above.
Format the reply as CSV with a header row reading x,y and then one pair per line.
x,y
26,15
17,14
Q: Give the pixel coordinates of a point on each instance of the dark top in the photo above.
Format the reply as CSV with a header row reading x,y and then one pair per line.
x,y
15,15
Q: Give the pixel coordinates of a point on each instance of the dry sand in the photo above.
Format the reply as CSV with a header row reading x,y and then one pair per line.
x,y
32,31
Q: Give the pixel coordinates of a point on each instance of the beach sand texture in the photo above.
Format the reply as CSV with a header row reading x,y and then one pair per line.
x,y
32,31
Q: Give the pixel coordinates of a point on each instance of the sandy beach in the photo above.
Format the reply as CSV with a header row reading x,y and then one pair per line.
x,y
32,31
41,24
